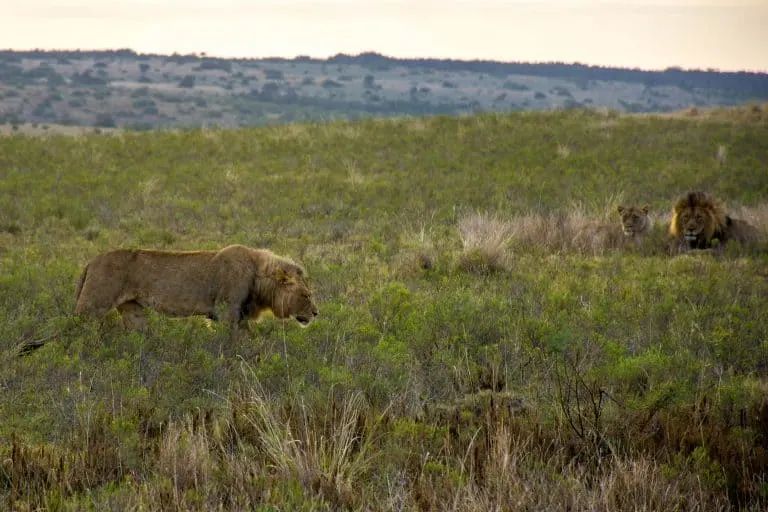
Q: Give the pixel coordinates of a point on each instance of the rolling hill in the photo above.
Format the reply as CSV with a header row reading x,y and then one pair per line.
x,y
124,89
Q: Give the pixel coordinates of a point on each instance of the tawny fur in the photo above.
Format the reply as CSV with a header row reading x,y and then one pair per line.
x,y
635,221
233,284
598,236
698,219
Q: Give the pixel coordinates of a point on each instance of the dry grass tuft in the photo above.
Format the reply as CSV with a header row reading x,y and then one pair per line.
x,y
563,151
354,176
722,154
185,457
550,232
328,451
484,239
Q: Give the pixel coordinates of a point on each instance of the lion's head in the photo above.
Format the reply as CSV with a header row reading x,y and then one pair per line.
x,y
697,219
292,296
635,220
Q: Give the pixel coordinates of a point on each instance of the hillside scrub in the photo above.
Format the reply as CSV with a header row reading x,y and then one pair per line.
x,y
468,354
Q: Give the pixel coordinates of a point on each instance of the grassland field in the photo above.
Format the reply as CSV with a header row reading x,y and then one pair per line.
x,y
467,356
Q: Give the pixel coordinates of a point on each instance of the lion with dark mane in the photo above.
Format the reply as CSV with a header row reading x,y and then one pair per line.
x,y
698,219
234,284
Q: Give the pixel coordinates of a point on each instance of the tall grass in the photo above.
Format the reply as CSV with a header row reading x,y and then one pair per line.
x,y
484,241
328,451
488,240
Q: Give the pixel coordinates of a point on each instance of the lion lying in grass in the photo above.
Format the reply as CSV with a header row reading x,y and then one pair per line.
x,y
698,219
233,284
635,224
635,221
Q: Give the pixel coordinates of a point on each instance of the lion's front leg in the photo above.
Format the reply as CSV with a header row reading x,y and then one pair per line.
x,y
134,317
234,326
232,316
238,324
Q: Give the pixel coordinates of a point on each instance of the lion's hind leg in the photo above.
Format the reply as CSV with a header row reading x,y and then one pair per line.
x,y
134,317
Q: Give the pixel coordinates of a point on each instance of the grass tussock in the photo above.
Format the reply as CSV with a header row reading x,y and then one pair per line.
x,y
186,457
328,451
484,241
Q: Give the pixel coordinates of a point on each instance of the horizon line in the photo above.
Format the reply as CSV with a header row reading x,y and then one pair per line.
x,y
205,55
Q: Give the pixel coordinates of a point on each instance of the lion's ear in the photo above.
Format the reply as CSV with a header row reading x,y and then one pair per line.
x,y
282,276
291,269
620,209
645,209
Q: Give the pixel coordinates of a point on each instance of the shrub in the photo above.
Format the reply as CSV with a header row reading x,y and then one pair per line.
x,y
105,121
187,82
273,74
331,84
513,86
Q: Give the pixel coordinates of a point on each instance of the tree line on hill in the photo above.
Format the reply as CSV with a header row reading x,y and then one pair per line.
x,y
740,83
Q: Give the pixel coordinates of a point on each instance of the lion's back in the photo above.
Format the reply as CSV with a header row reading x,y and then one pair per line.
x,y
742,231
172,282
597,236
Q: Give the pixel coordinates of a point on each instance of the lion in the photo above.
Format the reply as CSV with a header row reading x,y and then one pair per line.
x,y
234,284
636,223
596,236
699,219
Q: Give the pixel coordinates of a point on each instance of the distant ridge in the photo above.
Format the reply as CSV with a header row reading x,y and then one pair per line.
x,y
125,89
751,83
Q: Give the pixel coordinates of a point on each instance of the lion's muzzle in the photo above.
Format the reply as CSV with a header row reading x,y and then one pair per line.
x,y
304,320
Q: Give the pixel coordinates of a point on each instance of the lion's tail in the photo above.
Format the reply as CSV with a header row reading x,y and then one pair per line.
x,y
80,283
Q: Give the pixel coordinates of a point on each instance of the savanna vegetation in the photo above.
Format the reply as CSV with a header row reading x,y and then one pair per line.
x,y
471,352
55,90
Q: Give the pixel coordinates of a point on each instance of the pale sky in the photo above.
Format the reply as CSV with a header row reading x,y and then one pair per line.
x,y
652,34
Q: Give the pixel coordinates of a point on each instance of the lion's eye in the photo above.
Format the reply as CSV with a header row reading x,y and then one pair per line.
x,y
699,218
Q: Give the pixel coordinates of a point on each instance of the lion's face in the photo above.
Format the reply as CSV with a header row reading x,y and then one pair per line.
x,y
696,224
634,219
293,298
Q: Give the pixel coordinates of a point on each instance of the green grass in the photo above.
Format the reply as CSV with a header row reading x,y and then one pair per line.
x,y
467,356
